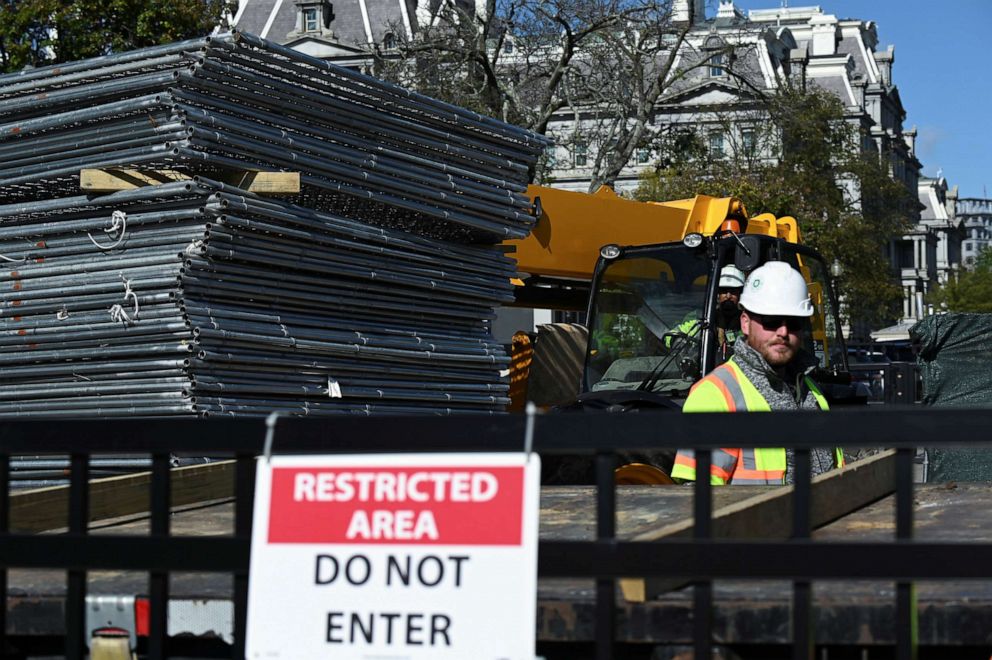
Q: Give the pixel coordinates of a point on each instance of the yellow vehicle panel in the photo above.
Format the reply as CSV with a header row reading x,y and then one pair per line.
x,y
573,226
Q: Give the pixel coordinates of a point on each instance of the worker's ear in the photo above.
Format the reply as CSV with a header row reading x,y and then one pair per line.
x,y
745,322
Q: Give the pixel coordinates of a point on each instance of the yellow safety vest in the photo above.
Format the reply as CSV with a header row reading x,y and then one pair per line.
x,y
727,389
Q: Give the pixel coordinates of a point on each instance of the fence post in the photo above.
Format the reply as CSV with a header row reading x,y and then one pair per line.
x,y
606,510
702,590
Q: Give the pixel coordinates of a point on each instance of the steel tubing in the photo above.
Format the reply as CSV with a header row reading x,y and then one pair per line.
x,y
339,116
75,137
112,200
48,75
490,258
360,339
243,249
217,313
282,122
295,288
405,176
82,369
143,65
384,115
355,306
212,300
326,174
266,359
84,94
395,91
318,252
22,130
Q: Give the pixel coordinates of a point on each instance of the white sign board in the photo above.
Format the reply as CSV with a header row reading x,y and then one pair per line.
x,y
394,557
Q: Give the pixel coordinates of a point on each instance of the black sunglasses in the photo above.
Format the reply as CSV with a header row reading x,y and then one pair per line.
x,y
793,323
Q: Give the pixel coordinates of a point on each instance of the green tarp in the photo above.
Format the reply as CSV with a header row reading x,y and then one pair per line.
x,y
955,361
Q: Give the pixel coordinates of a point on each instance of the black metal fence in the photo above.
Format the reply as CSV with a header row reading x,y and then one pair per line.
x,y
700,559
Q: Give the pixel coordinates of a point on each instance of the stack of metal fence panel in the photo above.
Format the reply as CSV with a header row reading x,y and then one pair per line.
x,y
370,293
234,100
196,297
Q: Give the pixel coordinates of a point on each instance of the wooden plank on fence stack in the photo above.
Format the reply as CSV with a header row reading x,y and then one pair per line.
x,y
46,508
834,495
117,179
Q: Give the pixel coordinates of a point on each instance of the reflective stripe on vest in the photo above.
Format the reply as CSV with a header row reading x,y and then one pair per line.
x,y
731,388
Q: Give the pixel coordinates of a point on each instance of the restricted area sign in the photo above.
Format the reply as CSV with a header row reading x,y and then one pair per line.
x,y
394,557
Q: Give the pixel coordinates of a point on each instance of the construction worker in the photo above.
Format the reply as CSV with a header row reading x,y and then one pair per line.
x,y
769,371
727,318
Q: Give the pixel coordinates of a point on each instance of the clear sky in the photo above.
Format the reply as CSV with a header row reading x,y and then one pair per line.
x,y
943,70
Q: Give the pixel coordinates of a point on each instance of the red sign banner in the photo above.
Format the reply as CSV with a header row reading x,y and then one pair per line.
x,y
397,505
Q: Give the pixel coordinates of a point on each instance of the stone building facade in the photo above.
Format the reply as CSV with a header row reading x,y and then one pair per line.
x,y
976,216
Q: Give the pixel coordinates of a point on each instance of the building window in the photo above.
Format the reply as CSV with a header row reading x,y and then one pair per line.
x,y
749,141
715,142
967,245
906,255
311,19
389,41
581,155
716,67
643,156
551,157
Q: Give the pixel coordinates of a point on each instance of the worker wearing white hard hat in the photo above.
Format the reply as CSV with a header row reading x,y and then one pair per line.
x,y
769,371
728,294
728,320
775,309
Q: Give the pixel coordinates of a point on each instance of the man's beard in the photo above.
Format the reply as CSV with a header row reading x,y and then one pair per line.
x,y
772,353
728,315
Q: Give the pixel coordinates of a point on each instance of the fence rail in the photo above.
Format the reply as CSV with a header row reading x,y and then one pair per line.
x,y
700,558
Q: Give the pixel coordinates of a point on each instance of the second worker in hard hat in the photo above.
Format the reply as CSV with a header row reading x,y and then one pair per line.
x,y
769,371
728,328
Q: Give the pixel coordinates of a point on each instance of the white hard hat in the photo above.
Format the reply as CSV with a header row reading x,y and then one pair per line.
x,y
776,289
731,277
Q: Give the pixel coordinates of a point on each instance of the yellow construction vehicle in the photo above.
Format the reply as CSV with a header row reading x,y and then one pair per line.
x,y
642,271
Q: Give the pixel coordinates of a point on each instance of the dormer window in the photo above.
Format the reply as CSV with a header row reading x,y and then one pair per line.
x,y
389,41
313,16
311,19
717,65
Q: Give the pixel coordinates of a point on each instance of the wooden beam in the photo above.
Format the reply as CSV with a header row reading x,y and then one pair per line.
x,y
117,179
834,495
47,508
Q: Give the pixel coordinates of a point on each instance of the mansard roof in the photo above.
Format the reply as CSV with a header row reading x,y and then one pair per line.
x,y
277,20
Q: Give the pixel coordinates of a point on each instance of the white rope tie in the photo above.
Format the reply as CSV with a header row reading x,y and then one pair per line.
x,y
118,225
4,257
118,313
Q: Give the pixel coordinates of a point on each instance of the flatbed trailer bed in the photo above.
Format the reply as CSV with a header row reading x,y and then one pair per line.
x,y
954,617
